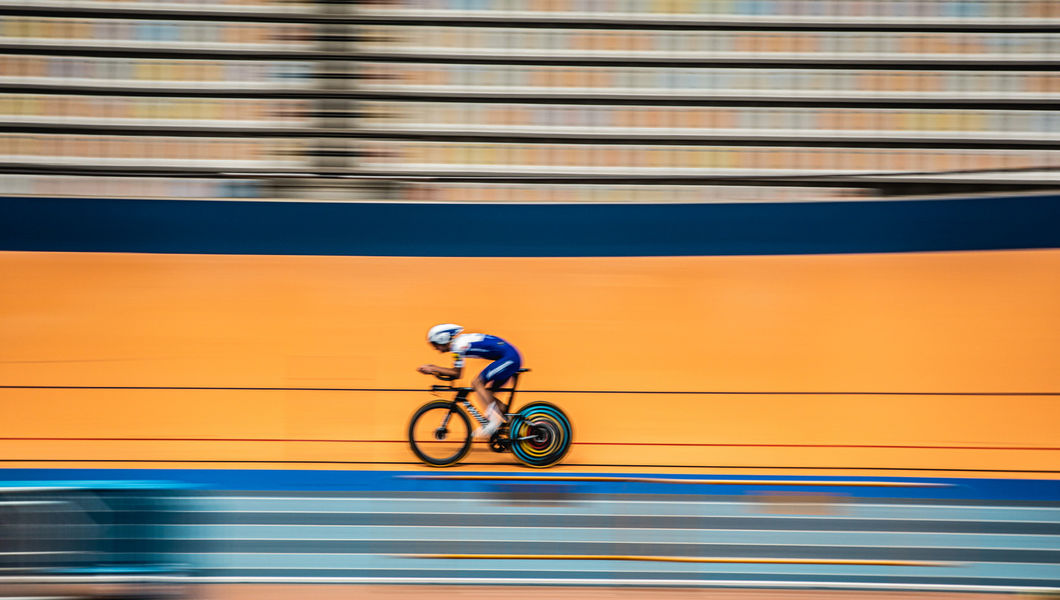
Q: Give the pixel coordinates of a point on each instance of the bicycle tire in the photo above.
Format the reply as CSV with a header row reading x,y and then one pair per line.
x,y
452,409
551,421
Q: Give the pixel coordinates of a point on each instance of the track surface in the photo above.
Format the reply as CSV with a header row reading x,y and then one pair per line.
x,y
905,364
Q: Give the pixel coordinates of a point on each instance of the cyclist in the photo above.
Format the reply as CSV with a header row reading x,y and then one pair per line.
x,y
506,359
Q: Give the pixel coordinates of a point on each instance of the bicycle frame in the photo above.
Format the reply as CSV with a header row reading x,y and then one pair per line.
x,y
463,392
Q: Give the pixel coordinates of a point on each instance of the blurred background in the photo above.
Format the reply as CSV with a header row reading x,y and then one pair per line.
x,y
647,101
790,266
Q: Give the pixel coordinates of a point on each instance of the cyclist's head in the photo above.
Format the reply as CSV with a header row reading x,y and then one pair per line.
x,y
442,335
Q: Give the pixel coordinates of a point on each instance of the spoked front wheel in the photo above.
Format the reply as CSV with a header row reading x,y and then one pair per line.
x,y
440,433
541,435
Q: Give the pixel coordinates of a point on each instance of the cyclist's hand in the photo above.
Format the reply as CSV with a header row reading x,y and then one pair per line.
x,y
426,369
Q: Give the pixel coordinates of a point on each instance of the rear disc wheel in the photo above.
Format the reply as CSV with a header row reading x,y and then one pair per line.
x,y
541,435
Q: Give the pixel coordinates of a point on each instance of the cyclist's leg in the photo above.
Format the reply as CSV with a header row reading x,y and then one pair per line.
x,y
495,375
484,393
491,378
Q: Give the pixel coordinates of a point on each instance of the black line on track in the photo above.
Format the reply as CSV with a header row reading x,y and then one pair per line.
x,y
420,390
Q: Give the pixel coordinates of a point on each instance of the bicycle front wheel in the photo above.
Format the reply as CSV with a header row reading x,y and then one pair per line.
x,y
440,433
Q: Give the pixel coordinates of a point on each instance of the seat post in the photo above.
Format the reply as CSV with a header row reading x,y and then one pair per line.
x,y
515,385
511,393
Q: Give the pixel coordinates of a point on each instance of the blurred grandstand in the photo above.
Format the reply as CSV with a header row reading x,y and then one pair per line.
x,y
527,100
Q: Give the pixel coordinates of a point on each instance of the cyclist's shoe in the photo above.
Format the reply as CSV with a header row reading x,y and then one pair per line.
x,y
496,419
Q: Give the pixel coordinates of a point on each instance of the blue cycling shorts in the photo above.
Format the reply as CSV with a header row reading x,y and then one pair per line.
x,y
498,372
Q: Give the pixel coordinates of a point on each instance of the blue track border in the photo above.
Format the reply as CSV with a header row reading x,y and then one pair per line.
x,y
1027,490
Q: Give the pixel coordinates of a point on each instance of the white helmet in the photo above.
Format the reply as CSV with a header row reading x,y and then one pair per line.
x,y
444,333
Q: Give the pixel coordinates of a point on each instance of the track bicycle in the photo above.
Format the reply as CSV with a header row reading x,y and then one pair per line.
x,y
539,435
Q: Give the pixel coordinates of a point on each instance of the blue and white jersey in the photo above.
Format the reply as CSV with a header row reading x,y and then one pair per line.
x,y
479,345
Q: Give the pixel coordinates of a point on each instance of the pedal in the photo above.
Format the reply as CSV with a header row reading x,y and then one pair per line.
x,y
499,441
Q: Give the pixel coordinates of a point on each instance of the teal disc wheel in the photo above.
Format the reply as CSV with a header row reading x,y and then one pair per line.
x,y
541,435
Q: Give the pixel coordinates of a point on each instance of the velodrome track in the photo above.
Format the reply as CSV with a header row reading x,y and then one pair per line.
x,y
282,384
912,363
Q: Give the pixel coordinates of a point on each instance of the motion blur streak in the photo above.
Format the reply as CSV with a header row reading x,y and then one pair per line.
x,y
359,527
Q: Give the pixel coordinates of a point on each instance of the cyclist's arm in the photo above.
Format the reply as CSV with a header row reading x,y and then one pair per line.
x,y
453,372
